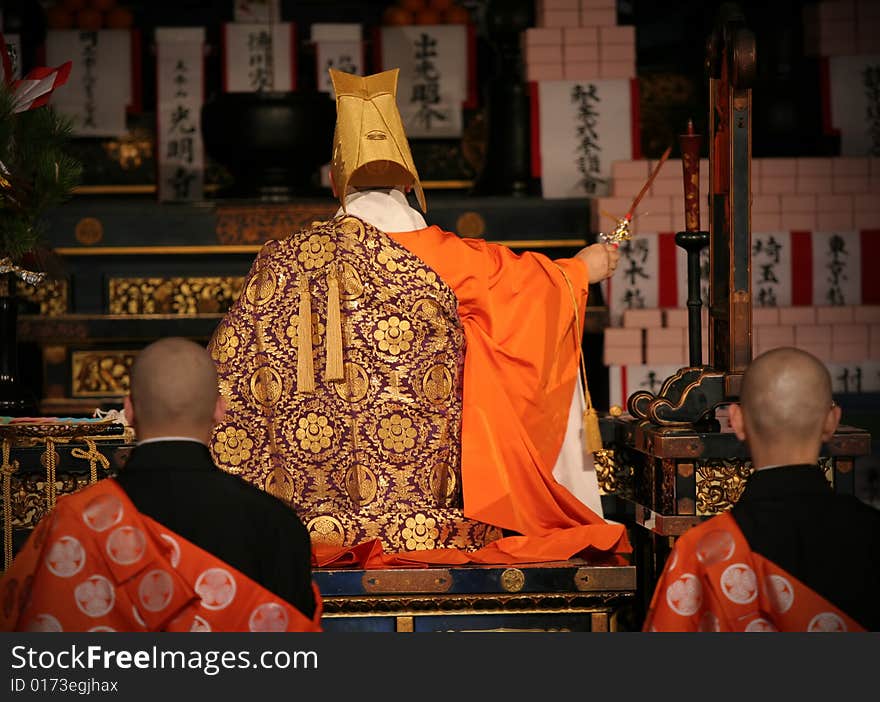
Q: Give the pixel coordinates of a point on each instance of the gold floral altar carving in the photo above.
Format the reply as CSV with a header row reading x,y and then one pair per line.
x,y
175,295
100,373
613,473
720,482
52,295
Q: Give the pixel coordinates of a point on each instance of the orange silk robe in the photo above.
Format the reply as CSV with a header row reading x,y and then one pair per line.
x,y
96,564
714,582
521,366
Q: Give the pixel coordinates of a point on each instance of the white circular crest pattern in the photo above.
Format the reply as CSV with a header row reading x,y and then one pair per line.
x,y
102,628
175,549
673,561
826,621
137,616
760,625
685,595
126,545
709,622
269,616
44,622
780,593
200,625
739,583
95,596
156,590
102,513
216,587
715,546
66,557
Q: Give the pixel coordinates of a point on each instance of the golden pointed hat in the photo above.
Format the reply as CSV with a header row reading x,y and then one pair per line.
x,y
370,148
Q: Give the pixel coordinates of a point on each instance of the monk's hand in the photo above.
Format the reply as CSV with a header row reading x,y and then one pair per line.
x,y
601,261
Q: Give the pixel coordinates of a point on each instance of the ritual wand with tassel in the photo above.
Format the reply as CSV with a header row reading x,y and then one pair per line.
x,y
621,230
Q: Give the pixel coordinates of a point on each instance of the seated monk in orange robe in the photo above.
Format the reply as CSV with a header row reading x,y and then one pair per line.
x,y
394,382
172,544
97,564
791,555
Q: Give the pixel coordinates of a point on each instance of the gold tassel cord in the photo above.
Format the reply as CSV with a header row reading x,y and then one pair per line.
x,y
333,370
592,433
305,364
94,457
7,468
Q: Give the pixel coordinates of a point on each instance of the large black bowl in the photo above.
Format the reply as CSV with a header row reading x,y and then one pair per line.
x,y
273,144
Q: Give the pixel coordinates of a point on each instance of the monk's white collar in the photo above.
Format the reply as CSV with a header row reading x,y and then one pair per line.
x,y
387,210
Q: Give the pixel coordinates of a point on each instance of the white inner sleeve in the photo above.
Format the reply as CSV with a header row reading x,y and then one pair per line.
x,y
574,467
387,210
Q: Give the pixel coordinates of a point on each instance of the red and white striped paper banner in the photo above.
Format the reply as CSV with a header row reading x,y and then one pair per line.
x,y
652,273
788,269
815,268
100,86
338,45
433,83
637,282
347,56
854,103
579,128
259,57
180,75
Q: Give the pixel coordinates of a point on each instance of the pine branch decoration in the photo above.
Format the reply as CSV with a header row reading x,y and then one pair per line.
x,y
36,173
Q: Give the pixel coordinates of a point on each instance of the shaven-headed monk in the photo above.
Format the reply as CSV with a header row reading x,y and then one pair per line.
x,y
791,555
174,543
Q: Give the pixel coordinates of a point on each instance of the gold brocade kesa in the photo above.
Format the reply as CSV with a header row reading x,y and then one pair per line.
x,y
342,362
